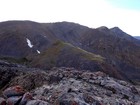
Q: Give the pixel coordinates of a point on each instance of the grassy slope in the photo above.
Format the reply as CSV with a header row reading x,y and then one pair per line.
x,y
49,57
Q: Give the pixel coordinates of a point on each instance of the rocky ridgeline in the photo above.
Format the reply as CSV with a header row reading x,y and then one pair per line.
x,y
67,86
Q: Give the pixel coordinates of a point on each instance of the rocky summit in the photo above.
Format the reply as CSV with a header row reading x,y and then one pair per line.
x,y
64,86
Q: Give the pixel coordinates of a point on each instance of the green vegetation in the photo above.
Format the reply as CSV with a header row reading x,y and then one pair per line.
x,y
86,55
49,57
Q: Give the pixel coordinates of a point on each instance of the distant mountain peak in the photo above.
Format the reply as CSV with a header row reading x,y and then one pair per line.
x,y
120,33
103,28
117,29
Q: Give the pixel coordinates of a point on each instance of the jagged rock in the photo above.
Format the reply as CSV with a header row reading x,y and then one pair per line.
x,y
13,91
26,97
73,87
88,89
2,101
134,90
37,102
90,99
69,99
31,80
118,88
14,100
17,97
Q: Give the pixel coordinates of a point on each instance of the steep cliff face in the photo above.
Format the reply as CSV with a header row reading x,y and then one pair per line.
x,y
45,45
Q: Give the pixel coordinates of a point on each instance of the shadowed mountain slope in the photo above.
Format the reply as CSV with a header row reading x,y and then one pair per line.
x,y
45,45
137,37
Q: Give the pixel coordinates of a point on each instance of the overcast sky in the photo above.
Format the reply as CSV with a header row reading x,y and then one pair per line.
x,y
92,13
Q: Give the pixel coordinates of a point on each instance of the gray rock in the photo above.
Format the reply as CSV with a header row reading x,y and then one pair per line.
x,y
13,91
15,100
37,102
75,87
115,87
2,101
26,97
88,89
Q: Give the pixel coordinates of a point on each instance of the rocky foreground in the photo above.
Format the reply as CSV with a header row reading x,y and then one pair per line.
x,y
63,86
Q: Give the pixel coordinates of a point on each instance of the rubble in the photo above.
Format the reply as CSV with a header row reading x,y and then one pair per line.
x,y
68,86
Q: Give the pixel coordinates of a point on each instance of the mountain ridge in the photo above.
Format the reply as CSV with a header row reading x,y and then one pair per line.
x,y
137,37
121,51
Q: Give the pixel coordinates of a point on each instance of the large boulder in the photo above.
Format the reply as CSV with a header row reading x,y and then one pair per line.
x,y
13,91
14,100
2,101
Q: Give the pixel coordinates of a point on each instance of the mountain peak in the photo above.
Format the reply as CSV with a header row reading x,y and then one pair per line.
x,y
116,29
103,28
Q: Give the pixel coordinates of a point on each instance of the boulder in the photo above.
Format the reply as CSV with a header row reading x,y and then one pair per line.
x,y
26,97
13,91
2,101
37,102
14,100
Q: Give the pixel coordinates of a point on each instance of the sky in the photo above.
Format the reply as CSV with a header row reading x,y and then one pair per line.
x,y
124,14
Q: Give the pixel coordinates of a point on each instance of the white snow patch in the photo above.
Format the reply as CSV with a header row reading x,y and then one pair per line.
x,y
29,43
38,51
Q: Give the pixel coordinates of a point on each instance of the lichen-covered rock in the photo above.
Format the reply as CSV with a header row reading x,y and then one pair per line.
x,y
26,97
37,102
2,101
16,96
115,87
14,100
86,88
30,80
67,86
13,91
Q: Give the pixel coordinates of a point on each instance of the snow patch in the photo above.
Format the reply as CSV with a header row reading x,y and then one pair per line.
x,y
38,51
29,43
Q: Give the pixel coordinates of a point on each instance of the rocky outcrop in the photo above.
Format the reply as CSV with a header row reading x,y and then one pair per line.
x,y
86,88
68,86
18,96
